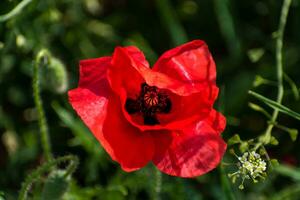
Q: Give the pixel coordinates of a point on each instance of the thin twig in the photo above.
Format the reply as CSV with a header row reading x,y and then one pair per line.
x,y
279,65
158,183
15,11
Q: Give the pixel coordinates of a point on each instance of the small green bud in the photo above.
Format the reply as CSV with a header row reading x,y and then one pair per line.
x,y
234,140
244,146
293,134
60,79
274,141
274,162
255,54
231,151
55,76
258,81
43,57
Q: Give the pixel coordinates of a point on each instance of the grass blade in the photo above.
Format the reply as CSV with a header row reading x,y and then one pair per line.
x,y
275,105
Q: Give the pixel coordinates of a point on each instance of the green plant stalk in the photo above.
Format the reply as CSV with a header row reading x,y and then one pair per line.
x,y
279,65
46,167
158,184
45,142
15,11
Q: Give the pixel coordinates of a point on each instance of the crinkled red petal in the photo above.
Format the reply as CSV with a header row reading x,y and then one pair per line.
x,y
92,109
192,151
93,75
191,63
90,99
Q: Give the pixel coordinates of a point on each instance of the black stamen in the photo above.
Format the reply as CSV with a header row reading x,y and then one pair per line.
x,y
150,102
150,120
132,106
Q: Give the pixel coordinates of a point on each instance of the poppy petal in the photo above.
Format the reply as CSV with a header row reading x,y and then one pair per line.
x,y
122,75
92,109
190,62
90,99
93,75
132,148
193,151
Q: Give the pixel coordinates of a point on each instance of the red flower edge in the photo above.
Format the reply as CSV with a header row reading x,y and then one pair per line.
x,y
164,114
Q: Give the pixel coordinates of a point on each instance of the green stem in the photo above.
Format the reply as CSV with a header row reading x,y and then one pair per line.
x,y
45,142
15,11
46,167
158,184
279,65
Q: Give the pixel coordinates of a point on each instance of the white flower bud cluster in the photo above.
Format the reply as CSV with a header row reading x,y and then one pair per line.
x,y
252,164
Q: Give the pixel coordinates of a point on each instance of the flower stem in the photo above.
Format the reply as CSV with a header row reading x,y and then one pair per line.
x,y
15,11
158,183
46,167
45,142
279,66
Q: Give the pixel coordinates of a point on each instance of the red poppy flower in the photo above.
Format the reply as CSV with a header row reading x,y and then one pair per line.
x,y
164,114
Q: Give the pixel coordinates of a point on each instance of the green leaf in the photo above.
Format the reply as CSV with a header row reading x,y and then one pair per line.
x,y
289,171
275,105
234,140
55,187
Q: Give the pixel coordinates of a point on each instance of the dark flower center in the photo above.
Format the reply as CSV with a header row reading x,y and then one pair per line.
x,y
150,101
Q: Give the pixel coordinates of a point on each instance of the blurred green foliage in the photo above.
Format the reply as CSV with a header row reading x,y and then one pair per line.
x,y
239,34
